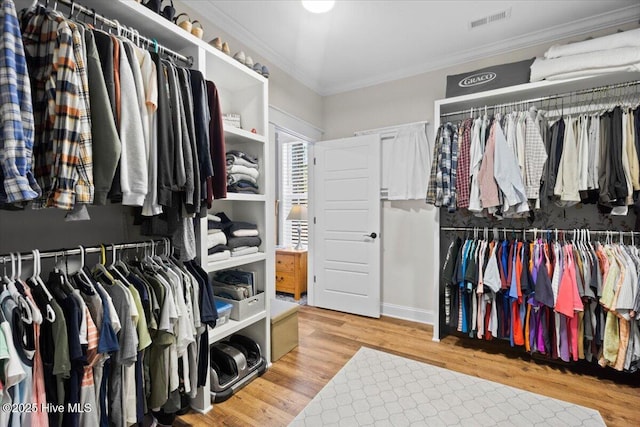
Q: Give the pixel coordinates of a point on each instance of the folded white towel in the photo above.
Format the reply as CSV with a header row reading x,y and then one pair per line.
x,y
254,173
216,239
604,59
632,68
244,250
214,231
213,217
629,38
245,233
219,256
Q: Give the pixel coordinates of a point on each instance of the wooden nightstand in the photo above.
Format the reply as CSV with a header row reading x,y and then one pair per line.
x,y
291,271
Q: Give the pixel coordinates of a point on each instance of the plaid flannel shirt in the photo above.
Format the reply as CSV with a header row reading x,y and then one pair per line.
x,y
84,188
16,118
464,161
58,111
445,165
535,156
432,189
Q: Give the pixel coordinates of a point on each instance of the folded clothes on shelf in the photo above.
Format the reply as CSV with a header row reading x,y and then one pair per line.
x,y
240,157
237,242
219,256
244,250
242,172
242,186
215,239
218,248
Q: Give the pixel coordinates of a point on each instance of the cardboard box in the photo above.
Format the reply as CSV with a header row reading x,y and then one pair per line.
x,y
284,328
489,78
245,308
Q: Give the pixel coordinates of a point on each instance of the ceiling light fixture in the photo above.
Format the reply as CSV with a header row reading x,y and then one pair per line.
x,y
318,6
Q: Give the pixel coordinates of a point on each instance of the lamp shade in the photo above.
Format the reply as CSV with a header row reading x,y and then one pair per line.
x,y
298,212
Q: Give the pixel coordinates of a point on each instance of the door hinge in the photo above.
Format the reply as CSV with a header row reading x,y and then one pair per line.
x,y
314,278
314,219
314,160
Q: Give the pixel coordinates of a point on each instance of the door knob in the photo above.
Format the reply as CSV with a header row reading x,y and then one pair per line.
x,y
372,235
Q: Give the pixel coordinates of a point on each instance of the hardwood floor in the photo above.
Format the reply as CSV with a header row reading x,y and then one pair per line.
x,y
329,339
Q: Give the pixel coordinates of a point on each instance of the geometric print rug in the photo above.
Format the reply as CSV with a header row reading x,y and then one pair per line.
x,y
381,389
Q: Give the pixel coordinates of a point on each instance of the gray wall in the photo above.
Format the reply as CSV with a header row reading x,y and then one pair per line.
x,y
408,227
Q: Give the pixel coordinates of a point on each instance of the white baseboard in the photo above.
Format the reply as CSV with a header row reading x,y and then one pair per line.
x,y
407,313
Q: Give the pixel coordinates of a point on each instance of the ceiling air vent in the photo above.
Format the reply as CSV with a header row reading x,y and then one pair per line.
x,y
499,16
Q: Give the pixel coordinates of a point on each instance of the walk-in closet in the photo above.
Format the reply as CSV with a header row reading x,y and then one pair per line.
x,y
319,213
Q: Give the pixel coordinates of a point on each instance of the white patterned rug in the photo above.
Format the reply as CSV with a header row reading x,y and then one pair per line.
x,y
381,389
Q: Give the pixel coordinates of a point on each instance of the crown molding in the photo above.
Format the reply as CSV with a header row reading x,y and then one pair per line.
x,y
249,39
575,28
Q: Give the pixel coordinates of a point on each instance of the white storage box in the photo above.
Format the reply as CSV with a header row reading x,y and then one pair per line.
x,y
245,308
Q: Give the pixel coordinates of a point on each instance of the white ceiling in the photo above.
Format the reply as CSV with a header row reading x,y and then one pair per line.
x,y
362,43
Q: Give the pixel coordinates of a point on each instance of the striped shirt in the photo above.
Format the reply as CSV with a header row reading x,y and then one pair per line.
x,y
62,156
16,118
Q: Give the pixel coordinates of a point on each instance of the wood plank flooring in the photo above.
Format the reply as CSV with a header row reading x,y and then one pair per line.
x,y
329,339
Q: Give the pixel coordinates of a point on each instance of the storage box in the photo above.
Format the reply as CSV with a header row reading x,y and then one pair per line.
x,y
496,77
245,308
224,311
284,328
231,119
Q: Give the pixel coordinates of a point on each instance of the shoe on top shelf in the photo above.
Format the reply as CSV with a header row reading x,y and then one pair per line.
x,y
240,57
217,43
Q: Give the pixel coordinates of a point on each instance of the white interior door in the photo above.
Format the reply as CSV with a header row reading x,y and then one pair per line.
x,y
346,206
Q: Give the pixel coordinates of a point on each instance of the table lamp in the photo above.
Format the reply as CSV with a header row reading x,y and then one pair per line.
x,y
298,213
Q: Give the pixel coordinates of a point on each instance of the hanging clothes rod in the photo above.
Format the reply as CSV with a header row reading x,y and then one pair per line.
x,y
25,256
132,34
541,230
545,98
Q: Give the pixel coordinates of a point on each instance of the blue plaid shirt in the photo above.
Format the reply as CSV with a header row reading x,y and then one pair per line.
x,y
16,117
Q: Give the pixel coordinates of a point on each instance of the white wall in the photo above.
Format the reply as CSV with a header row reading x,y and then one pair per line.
x,y
408,227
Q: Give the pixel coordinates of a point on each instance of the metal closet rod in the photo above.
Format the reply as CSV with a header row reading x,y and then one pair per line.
x,y
545,98
115,24
87,250
540,230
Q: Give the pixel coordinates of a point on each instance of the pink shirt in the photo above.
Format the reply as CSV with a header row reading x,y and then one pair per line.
x,y
488,185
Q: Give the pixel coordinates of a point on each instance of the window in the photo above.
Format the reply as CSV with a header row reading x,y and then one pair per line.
x,y
293,187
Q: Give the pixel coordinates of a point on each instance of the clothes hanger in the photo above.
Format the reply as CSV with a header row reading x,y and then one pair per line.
x,y
26,314
112,267
81,276
35,311
121,265
50,314
100,271
64,285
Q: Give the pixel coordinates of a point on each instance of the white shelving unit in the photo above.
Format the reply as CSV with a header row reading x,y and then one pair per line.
x,y
499,96
245,92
